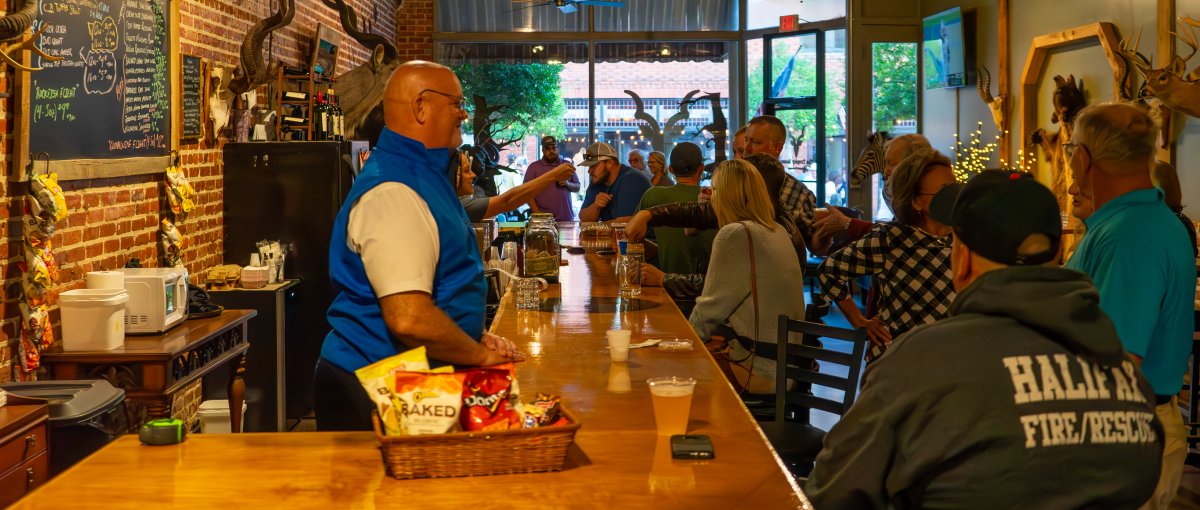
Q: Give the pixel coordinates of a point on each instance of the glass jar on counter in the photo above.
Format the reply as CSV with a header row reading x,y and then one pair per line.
x,y
542,250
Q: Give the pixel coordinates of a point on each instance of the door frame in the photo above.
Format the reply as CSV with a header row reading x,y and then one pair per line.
x,y
859,84
771,105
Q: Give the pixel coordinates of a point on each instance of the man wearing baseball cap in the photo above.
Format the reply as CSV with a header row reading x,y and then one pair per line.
x,y
1024,386
615,190
555,199
679,253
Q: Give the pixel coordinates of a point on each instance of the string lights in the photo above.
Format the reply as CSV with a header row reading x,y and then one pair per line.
x,y
975,156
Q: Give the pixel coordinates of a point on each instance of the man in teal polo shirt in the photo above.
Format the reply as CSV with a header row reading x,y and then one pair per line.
x,y
1139,256
402,256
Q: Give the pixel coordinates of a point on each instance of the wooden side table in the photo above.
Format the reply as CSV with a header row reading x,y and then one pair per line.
x,y
154,369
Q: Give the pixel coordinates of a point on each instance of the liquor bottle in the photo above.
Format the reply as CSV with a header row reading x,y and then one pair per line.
x,y
295,95
339,117
320,119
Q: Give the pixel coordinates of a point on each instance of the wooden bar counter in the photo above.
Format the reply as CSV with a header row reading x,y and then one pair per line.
x,y
618,460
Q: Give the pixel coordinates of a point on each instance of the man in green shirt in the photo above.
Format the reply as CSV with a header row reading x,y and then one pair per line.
x,y
677,251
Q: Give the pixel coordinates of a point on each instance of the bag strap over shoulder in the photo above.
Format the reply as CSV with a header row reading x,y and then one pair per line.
x,y
753,279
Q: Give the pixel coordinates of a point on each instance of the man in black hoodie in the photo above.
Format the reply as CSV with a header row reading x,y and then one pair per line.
x,y
1022,398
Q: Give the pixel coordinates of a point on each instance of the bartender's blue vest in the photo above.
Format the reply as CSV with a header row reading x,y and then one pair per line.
x,y
360,336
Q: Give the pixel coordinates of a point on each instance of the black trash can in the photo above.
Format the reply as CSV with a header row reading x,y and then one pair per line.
x,y
84,416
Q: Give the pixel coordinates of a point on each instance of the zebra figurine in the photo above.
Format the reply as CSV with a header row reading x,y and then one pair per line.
x,y
870,160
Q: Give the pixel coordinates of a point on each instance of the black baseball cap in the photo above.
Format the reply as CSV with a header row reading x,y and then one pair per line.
x,y
549,140
685,157
996,211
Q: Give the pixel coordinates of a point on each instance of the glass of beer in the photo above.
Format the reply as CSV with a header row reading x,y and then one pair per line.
x,y
672,400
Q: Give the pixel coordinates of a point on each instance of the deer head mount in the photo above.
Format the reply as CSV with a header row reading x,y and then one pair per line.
x,y
252,71
998,104
1171,84
361,89
13,38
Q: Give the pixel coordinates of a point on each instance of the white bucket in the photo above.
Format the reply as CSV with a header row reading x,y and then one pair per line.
x,y
93,319
214,416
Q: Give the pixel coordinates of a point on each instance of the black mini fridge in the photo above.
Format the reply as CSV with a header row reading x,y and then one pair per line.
x,y
291,192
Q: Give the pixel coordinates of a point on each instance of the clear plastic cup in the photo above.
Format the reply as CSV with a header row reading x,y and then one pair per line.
x,y
618,345
672,401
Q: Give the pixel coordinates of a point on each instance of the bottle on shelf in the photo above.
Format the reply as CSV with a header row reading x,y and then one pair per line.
x,y
320,119
338,117
295,95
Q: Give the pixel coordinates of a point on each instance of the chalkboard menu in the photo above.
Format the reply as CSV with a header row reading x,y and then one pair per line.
x,y
109,96
193,97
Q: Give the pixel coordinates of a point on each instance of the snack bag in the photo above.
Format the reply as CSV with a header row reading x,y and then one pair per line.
x,y
378,380
486,399
542,412
428,403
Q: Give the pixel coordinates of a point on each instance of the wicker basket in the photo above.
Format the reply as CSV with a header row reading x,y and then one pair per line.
x,y
477,453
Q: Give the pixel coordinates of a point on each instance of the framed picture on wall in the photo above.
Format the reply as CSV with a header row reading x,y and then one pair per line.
x,y
325,51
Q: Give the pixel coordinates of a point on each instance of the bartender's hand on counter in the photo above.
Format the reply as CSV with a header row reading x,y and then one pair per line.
x,y
635,228
501,347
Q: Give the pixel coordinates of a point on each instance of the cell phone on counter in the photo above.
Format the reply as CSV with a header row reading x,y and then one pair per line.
x,y
692,447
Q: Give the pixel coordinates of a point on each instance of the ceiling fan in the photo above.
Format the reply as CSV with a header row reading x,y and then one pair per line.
x,y
568,6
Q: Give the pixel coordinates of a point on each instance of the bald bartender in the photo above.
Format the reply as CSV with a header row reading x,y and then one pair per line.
x,y
403,257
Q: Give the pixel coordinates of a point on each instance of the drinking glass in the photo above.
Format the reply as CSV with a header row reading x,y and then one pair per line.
x,y
672,401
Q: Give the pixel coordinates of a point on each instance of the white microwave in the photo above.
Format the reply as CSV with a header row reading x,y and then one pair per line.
x,y
157,298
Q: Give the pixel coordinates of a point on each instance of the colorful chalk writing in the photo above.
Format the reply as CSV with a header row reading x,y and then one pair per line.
x,y
110,95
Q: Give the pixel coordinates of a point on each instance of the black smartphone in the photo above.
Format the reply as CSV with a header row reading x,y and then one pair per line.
x,y
691,447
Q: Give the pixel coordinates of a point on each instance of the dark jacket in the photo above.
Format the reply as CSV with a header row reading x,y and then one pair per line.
x,y
1022,398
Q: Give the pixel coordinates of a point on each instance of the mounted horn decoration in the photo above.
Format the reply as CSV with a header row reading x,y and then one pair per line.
x,y
1171,84
253,71
13,38
361,89
998,104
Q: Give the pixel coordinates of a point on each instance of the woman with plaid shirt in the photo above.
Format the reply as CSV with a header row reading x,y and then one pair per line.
x,y
909,257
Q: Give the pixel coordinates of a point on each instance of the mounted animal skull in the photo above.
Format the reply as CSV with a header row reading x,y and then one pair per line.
x,y
14,40
361,89
252,71
998,105
1169,84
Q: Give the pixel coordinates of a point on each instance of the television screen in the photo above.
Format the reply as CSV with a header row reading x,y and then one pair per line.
x,y
944,59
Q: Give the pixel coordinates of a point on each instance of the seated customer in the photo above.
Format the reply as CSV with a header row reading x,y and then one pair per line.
x,y
909,258
700,214
480,208
678,252
615,189
1022,398
836,229
738,272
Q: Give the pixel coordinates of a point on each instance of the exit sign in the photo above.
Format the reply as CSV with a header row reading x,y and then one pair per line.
x,y
790,23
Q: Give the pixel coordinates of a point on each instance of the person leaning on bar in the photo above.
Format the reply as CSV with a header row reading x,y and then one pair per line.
x,y
402,255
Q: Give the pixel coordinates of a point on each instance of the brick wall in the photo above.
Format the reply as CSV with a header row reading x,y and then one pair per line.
x,y
414,30
114,220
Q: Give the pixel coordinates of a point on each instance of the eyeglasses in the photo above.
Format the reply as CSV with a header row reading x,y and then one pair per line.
x,y
460,102
939,190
